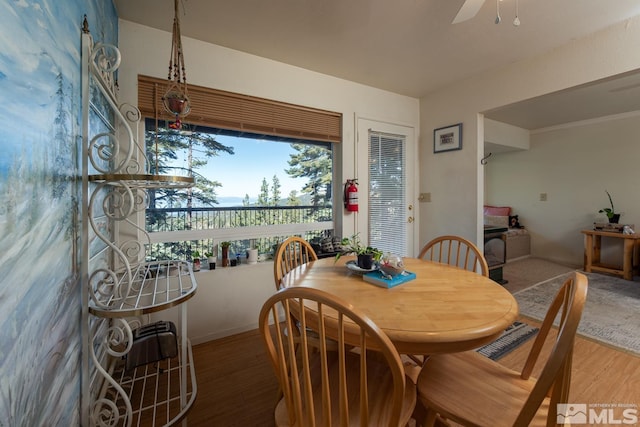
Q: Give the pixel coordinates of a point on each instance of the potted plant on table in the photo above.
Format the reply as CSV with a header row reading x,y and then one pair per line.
x,y
367,255
610,212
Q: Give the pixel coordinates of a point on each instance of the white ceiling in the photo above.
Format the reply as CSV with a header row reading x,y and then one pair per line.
x,y
408,47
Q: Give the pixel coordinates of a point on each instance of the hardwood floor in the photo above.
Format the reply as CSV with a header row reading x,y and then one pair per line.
x,y
236,385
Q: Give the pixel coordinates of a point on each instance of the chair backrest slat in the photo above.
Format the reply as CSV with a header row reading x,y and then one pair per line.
x,y
459,251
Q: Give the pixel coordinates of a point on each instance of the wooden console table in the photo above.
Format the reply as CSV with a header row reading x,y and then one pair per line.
x,y
592,244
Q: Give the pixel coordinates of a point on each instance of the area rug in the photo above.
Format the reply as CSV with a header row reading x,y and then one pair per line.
x,y
512,337
526,272
611,314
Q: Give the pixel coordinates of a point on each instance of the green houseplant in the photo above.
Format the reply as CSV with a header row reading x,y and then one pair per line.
x,y
610,212
367,255
211,259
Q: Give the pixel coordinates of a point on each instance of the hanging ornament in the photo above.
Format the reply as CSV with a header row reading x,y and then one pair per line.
x,y
176,98
516,20
177,124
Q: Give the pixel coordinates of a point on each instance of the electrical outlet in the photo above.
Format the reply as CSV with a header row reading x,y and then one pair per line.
x,y
424,197
543,197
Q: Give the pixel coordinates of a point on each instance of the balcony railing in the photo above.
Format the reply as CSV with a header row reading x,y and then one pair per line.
x,y
177,232
174,219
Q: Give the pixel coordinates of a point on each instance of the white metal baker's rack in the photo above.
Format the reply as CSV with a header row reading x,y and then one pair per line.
x,y
119,287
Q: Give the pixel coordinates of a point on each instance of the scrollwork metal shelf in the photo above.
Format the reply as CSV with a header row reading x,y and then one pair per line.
x,y
145,181
152,287
120,286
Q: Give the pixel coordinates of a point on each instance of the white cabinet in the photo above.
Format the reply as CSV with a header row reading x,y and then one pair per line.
x,y
120,289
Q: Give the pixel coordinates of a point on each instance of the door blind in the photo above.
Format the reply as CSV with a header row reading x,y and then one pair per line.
x,y
387,200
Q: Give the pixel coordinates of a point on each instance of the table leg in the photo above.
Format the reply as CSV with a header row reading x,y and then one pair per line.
x,y
596,250
588,252
627,261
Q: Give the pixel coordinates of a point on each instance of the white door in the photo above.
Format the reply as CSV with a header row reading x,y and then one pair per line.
x,y
386,156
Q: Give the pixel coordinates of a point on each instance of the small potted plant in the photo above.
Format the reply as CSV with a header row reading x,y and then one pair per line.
x,y
367,255
225,253
610,212
211,259
195,256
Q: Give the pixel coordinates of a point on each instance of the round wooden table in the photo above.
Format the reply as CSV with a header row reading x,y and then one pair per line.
x,y
443,310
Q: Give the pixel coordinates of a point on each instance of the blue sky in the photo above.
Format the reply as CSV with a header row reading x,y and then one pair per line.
x,y
254,159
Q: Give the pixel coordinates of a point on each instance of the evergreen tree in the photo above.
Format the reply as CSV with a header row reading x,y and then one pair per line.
x,y
163,147
263,197
293,199
275,191
313,162
263,200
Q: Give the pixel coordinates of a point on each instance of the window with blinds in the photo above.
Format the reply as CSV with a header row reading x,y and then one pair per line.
x,y
273,182
387,195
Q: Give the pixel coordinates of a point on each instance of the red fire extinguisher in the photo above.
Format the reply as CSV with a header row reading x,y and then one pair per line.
x,y
351,195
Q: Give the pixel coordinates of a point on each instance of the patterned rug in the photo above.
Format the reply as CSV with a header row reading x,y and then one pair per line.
x,y
611,314
512,337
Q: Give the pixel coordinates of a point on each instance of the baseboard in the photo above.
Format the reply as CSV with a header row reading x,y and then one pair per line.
x,y
222,334
227,332
518,258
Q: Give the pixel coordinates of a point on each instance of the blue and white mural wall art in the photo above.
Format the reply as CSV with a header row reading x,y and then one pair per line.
x,y
40,117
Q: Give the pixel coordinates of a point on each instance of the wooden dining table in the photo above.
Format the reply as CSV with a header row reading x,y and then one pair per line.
x,y
443,310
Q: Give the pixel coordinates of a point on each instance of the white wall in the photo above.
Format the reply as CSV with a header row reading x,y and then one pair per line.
x,y
227,301
574,165
501,137
455,179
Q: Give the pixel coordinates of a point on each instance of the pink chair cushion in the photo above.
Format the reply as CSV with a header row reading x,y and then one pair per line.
x,y
497,210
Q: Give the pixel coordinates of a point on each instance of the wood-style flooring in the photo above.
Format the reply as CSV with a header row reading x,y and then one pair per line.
x,y
236,385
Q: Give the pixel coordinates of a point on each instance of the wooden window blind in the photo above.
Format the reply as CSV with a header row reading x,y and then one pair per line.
x,y
229,110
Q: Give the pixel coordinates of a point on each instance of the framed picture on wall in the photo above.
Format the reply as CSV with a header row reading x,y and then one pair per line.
x,y
447,138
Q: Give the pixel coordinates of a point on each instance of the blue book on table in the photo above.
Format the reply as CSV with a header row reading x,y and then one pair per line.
x,y
378,279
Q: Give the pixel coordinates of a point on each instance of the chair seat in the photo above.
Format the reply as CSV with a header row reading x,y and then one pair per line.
x,y
456,385
381,387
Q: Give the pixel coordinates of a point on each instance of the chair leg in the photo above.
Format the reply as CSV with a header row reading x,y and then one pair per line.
x,y
416,359
419,414
430,418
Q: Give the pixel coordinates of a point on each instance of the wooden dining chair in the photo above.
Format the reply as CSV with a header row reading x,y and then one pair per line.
x,y
472,390
291,253
366,387
456,251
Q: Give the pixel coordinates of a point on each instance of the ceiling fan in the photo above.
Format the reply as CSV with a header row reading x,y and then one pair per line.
x,y
470,8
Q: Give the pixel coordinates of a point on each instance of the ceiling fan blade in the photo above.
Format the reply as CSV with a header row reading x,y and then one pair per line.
x,y
468,10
